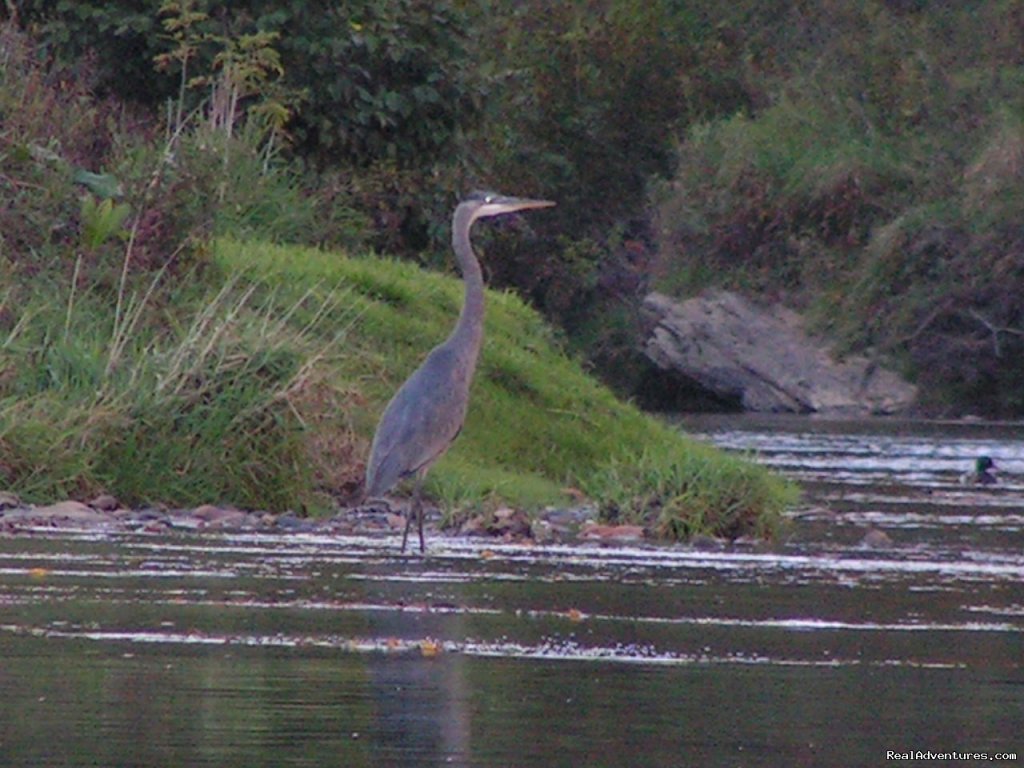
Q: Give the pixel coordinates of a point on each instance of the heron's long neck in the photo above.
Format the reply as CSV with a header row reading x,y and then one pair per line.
x,y
469,331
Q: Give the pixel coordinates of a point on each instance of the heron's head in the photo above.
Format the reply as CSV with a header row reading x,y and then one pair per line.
x,y
485,204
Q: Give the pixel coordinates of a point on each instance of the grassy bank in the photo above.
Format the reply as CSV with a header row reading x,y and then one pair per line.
x,y
259,383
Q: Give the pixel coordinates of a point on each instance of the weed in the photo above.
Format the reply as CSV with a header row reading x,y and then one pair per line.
x,y
101,221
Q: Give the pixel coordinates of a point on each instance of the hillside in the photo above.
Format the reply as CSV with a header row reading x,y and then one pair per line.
x,y
258,382
161,340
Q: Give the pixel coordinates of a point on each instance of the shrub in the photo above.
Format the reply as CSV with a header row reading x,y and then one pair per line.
x,y
382,81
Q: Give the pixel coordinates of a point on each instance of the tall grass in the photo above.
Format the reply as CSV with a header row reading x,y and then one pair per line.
x,y
189,398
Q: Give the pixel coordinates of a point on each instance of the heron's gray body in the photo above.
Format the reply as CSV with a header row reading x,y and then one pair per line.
x,y
427,412
422,419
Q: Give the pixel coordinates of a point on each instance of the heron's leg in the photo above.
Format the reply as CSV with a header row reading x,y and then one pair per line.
x,y
408,523
419,508
415,510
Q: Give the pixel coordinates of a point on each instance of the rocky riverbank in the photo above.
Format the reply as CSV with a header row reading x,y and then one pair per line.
x,y
106,514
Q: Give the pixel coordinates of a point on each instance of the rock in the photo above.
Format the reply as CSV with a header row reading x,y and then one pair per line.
x,y
366,518
566,521
764,359
105,503
542,532
612,532
212,516
141,516
510,523
9,500
182,522
74,511
506,522
210,512
706,543
17,515
876,539
756,543
474,526
292,522
338,526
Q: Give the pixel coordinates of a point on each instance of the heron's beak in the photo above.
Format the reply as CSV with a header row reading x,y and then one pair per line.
x,y
525,203
502,205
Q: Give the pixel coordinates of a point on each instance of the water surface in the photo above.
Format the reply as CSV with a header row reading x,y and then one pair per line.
x,y
298,650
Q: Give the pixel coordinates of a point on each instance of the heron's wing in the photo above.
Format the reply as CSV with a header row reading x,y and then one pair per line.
x,y
420,422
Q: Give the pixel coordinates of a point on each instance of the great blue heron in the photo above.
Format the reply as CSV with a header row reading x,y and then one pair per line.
x,y
426,414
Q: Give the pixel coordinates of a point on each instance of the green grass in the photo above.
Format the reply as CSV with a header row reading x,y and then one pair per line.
x,y
188,396
260,382
537,424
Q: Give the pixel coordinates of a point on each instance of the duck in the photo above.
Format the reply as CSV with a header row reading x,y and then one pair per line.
x,y
982,474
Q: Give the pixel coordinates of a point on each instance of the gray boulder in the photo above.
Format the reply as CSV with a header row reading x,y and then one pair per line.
x,y
764,358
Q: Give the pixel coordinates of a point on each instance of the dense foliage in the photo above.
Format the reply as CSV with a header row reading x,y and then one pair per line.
x,y
403,104
859,160
871,173
376,79
584,101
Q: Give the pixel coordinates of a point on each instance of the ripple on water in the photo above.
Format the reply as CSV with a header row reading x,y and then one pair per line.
x,y
549,648
932,584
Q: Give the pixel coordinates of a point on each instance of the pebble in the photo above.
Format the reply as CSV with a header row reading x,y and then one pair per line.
x,y
506,523
542,532
70,510
510,524
291,522
105,502
210,513
598,532
876,539
9,500
707,543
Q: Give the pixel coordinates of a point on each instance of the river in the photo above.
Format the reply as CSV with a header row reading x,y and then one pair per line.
x,y
237,651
